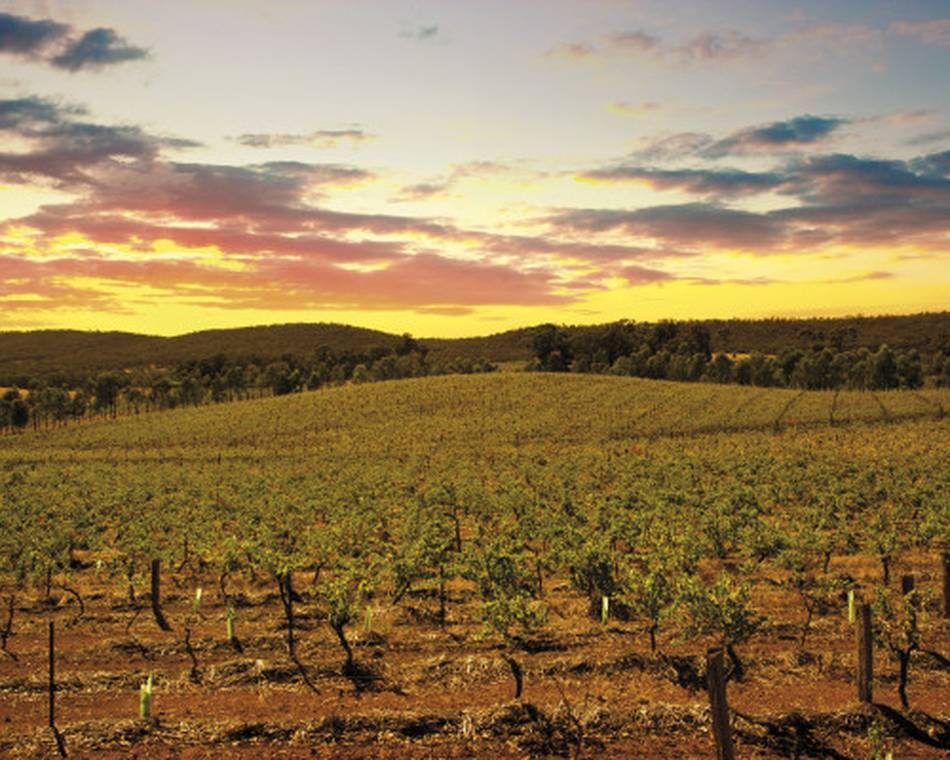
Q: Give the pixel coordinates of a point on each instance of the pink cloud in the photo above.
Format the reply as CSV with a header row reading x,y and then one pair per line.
x,y
423,280
638,275
576,51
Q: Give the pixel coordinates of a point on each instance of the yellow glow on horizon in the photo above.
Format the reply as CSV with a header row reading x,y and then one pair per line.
x,y
155,310
683,300
745,283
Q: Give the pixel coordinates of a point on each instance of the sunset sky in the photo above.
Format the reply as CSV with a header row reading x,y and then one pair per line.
x,y
461,167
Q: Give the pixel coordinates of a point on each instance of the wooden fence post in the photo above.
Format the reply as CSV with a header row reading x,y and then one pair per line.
x,y
865,654
946,584
719,708
57,736
52,676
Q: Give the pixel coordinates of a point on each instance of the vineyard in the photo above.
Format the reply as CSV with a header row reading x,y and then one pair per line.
x,y
509,564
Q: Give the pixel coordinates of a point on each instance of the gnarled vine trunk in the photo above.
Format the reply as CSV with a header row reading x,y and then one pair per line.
x,y
516,673
7,630
287,597
348,650
156,596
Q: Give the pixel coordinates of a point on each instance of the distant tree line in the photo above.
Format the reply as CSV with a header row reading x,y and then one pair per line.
x,y
67,358
218,379
683,351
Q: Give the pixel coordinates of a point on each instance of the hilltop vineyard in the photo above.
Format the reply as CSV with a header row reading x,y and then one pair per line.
x,y
404,559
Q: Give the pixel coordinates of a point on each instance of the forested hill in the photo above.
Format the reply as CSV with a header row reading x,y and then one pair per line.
x,y
66,355
926,332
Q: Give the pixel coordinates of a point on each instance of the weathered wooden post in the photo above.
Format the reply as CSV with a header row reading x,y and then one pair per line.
x,y
57,736
907,584
946,584
719,708
52,675
865,654
851,606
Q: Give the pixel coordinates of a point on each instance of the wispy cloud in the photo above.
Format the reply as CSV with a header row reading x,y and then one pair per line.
x,y
635,274
934,32
691,225
721,46
779,135
724,45
441,186
422,191
706,47
675,146
774,137
841,199
575,51
637,40
898,118
929,138
321,138
866,277
714,182
421,33
635,109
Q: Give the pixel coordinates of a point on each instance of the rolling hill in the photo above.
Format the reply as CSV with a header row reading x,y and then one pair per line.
x,y
505,409
68,355
419,512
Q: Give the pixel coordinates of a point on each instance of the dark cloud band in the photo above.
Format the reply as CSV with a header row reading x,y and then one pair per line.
x,y
93,49
776,137
23,36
